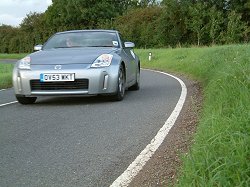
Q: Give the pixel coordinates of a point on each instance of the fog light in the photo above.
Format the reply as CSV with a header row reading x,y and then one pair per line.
x,y
19,84
105,82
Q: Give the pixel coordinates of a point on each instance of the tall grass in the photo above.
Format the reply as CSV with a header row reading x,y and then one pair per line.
x,y
220,155
5,75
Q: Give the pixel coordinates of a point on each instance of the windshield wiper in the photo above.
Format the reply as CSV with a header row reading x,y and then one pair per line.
x,y
100,46
81,46
77,46
61,47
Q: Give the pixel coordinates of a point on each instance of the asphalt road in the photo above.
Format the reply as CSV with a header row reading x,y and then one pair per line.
x,y
8,61
81,141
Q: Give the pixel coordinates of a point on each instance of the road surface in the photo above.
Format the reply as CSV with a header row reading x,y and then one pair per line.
x,y
81,141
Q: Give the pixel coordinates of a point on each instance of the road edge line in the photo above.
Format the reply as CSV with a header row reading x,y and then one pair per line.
x,y
8,103
133,169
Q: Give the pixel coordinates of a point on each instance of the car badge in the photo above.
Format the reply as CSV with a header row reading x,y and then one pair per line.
x,y
58,67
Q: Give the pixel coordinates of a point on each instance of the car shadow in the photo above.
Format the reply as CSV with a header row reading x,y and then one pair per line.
x,y
131,96
75,100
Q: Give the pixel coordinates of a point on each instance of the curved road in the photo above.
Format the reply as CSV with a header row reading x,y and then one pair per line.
x,y
81,141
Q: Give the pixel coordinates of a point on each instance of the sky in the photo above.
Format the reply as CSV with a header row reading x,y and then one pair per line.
x,y
12,12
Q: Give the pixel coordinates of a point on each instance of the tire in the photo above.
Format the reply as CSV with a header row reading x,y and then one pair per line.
x,y
136,86
25,100
120,85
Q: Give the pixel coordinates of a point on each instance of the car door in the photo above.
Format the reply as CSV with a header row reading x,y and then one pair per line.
x,y
129,58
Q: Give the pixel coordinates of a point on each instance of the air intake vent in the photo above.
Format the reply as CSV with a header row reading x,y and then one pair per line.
x,y
78,84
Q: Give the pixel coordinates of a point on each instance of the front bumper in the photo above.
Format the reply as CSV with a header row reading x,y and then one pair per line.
x,y
100,80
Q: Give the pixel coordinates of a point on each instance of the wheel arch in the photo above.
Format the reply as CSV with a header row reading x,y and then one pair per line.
x,y
139,65
124,68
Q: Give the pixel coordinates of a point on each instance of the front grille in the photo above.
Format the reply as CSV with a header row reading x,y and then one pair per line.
x,y
78,84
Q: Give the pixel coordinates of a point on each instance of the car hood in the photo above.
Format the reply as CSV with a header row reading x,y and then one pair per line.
x,y
68,55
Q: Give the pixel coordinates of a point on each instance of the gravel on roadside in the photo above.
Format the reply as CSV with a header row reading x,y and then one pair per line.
x,y
164,166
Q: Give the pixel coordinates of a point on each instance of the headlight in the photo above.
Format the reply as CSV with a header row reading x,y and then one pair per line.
x,y
102,61
24,63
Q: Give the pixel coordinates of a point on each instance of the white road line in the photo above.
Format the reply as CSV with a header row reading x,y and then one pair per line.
x,y
2,90
8,103
133,169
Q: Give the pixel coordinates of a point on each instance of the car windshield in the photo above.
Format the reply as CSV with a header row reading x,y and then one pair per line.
x,y
82,39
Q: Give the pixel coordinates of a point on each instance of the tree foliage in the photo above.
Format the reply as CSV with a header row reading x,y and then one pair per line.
x,y
148,23
139,25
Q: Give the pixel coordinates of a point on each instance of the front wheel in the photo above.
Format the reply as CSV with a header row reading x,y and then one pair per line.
x,y
25,100
120,85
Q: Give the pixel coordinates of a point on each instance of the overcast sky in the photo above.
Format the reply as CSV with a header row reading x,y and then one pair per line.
x,y
12,12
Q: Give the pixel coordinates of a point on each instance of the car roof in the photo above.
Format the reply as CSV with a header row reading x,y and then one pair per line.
x,y
92,30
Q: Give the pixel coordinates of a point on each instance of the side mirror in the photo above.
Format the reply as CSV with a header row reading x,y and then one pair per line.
x,y
129,44
38,47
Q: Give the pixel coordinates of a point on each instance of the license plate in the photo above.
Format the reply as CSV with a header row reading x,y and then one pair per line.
x,y
52,77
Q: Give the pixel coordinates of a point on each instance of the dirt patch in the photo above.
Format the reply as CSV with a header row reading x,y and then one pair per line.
x,y
162,169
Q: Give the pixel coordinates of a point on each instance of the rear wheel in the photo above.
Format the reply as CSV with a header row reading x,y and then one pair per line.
x,y
120,85
136,86
25,100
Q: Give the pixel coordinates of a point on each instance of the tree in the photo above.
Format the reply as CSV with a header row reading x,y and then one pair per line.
x,y
34,28
140,25
235,28
172,25
196,20
87,14
215,24
148,23
6,33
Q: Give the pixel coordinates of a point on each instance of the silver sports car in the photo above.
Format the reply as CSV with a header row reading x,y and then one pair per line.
x,y
78,62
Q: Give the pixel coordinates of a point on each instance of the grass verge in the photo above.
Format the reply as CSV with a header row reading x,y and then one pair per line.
x,y
6,75
6,69
220,155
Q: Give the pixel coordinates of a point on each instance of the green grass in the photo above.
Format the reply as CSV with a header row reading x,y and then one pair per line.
x,y
6,75
6,69
12,56
220,155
